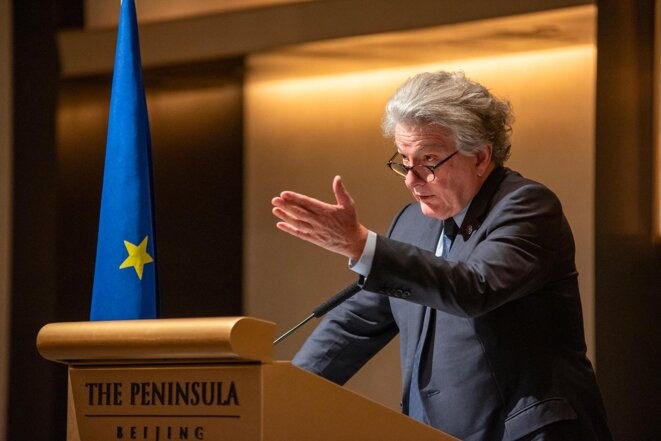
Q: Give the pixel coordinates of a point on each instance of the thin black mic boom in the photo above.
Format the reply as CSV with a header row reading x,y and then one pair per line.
x,y
325,307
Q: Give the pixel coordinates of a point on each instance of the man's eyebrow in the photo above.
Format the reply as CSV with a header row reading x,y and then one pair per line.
x,y
422,149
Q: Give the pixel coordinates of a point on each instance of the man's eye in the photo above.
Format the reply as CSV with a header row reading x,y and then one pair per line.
x,y
430,159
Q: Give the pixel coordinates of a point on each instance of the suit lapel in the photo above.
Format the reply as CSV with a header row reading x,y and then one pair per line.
x,y
477,211
431,232
422,317
429,240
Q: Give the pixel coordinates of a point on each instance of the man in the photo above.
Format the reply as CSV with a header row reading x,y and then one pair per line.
x,y
490,322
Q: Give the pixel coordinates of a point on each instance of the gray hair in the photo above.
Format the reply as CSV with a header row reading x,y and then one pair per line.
x,y
474,116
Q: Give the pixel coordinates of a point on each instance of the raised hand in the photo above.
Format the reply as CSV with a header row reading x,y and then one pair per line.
x,y
333,227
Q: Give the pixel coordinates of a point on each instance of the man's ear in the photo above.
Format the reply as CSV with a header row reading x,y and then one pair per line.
x,y
483,159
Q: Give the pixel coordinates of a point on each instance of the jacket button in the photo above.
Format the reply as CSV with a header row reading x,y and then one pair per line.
x,y
406,294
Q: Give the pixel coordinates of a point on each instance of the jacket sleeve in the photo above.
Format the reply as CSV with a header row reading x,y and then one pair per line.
x,y
523,244
348,337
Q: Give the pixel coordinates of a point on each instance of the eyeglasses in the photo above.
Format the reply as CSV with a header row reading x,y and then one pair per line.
x,y
424,172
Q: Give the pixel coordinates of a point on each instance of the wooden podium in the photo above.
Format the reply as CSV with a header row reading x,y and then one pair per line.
x,y
205,379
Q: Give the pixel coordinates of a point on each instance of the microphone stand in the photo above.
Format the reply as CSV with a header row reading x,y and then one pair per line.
x,y
325,307
286,334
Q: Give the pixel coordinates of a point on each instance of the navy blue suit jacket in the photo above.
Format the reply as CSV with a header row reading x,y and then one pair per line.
x,y
507,353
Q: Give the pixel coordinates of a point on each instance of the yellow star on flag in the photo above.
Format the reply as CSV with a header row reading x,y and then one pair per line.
x,y
138,256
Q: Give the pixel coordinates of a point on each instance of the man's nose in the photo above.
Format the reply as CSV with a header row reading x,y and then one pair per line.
x,y
412,179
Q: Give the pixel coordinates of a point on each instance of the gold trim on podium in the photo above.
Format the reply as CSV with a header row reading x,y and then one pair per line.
x,y
147,341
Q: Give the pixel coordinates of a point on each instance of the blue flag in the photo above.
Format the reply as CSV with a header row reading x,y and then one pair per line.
x,y
125,282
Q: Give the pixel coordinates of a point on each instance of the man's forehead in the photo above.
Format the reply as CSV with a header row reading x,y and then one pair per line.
x,y
423,137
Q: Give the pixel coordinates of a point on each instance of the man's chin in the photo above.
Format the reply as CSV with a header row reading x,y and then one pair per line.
x,y
430,211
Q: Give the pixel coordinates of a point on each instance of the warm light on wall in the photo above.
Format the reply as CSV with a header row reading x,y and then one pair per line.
x,y
499,64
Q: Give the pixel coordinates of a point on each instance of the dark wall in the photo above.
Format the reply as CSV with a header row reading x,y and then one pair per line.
x,y
628,261
32,392
196,117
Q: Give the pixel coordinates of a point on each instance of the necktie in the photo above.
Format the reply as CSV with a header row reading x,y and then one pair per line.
x,y
415,408
449,233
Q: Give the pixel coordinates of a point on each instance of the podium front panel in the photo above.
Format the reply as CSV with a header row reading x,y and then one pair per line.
x,y
221,402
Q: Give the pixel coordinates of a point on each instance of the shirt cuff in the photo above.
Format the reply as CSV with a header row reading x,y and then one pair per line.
x,y
363,266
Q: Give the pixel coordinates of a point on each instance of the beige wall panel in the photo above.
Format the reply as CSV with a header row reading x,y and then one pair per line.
x,y
300,132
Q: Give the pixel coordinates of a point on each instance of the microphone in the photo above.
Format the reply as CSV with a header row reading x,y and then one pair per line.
x,y
325,307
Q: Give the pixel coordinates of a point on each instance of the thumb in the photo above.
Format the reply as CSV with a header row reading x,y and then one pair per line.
x,y
342,197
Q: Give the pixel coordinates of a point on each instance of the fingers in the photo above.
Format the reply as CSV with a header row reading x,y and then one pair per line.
x,y
300,212
342,196
292,199
289,228
333,227
290,209
287,217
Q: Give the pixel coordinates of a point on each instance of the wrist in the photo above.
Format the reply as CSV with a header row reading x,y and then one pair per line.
x,y
359,244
